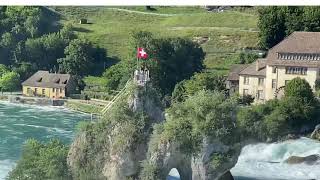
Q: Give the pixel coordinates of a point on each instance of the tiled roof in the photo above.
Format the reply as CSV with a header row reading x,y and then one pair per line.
x,y
46,79
234,71
300,43
253,70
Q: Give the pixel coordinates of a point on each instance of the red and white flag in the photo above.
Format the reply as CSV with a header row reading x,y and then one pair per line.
x,y
142,53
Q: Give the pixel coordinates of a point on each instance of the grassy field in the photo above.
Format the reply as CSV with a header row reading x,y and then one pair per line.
x,y
229,32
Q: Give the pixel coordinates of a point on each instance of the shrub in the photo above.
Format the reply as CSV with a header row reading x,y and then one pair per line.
x,y
42,161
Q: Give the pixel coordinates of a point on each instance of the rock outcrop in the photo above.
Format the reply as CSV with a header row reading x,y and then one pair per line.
x,y
113,147
316,133
213,161
310,160
226,176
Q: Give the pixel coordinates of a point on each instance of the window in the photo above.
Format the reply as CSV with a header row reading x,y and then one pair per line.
x,y
53,89
296,70
274,69
260,94
286,82
245,92
274,84
35,90
43,91
60,90
28,91
261,81
246,80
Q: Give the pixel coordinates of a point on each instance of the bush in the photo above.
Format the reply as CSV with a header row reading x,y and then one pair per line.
x,y
246,99
42,161
300,89
204,114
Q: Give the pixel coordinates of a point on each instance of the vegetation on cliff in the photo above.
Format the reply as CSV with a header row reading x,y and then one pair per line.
x,y
277,118
42,161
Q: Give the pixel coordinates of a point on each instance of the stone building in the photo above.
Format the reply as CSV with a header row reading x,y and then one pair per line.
x,y
298,55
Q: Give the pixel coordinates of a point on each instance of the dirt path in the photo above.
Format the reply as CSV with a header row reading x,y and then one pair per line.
x,y
147,13
213,28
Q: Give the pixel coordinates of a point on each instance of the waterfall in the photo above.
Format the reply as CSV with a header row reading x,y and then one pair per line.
x,y
266,161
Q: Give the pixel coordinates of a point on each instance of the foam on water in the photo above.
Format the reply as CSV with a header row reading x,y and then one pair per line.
x,y
19,122
266,161
5,167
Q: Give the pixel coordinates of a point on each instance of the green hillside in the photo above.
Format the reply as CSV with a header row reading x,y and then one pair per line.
x,y
229,32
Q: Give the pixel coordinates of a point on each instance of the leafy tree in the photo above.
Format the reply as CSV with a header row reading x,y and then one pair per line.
x,y
293,19
3,69
311,17
276,124
246,99
199,81
205,114
299,88
173,60
31,24
247,58
272,26
42,161
275,23
9,81
80,58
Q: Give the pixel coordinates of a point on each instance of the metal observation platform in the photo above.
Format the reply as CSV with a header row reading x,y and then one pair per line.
x,y
141,77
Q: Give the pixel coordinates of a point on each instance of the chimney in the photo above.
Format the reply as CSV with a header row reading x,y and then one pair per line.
x,y
257,65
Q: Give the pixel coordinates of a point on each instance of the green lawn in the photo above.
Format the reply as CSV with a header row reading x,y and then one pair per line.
x,y
229,32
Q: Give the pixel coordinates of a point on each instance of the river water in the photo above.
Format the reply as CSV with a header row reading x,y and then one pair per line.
x,y
265,161
21,122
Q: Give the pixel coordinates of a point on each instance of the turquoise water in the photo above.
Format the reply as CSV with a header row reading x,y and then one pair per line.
x,y
21,122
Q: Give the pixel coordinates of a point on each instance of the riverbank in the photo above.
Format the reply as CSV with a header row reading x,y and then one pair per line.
x,y
20,122
88,107
83,107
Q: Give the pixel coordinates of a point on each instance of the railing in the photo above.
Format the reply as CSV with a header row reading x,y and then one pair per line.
x,y
115,99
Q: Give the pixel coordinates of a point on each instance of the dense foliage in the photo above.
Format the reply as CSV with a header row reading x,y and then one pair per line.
x,y
32,39
170,60
276,118
275,23
9,81
199,81
205,114
42,161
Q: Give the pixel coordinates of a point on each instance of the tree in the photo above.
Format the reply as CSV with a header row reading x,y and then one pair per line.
x,y
9,81
293,19
311,18
199,81
272,26
31,24
300,89
173,60
247,58
79,58
205,114
3,69
246,99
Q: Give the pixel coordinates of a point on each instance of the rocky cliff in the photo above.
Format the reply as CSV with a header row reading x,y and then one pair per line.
x,y
130,133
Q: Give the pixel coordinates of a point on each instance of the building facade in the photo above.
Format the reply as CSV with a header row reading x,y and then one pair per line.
x,y
298,55
51,85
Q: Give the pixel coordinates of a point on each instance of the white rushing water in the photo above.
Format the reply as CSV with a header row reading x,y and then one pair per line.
x,y
255,161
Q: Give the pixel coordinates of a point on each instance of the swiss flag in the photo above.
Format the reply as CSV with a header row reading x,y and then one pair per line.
x,y
142,53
